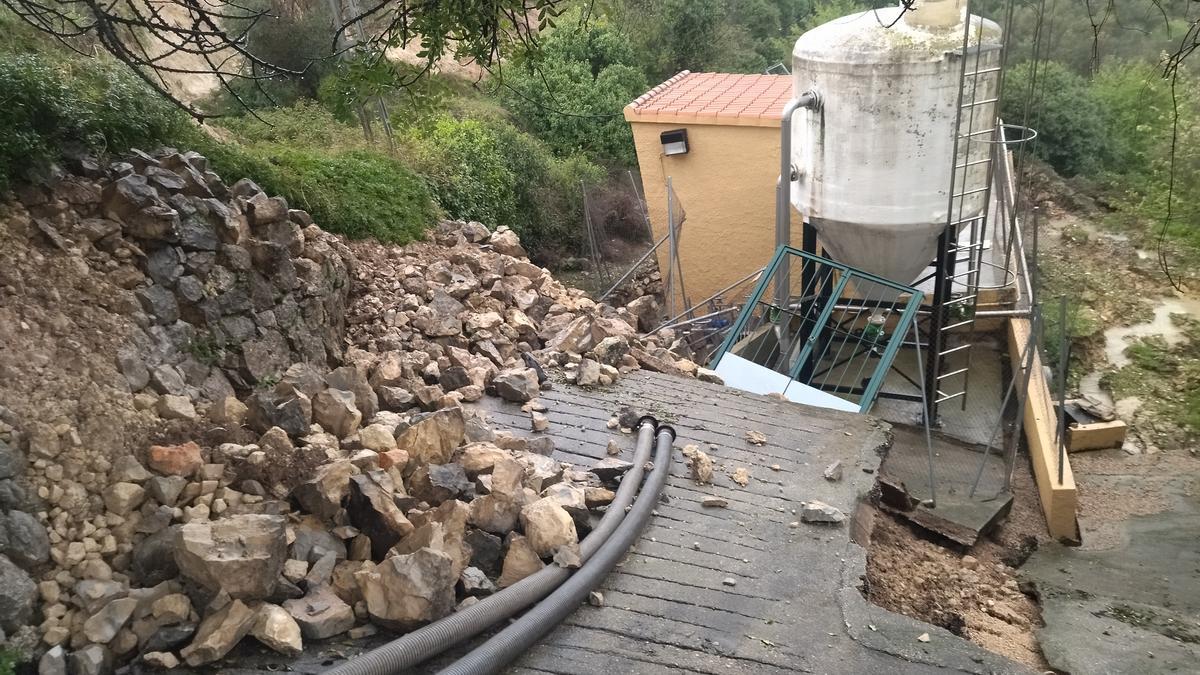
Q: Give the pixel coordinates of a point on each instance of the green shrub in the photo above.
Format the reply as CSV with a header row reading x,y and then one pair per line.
x,y
492,172
462,162
571,94
358,193
1071,121
50,109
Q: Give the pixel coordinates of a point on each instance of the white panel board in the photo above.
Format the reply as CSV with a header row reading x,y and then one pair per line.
x,y
746,375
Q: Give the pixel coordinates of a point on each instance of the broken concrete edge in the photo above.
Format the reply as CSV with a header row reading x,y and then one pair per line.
x,y
887,632
881,630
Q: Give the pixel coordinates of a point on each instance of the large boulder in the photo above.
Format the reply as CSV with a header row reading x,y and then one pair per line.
x,y
336,412
516,384
275,628
432,438
548,527
242,555
406,591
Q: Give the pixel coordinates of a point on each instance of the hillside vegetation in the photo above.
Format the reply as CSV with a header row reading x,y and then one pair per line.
x,y
519,144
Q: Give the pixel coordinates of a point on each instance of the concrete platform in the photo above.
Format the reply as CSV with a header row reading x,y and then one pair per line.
x,y
796,605
1134,608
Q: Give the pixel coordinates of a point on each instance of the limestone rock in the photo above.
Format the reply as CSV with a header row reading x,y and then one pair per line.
x,y
104,625
588,373
322,495
218,633
275,628
833,472
242,555
377,437
519,562
335,411
433,438
351,379
701,465
548,527
505,241
436,483
407,591
160,660
516,384
121,498
477,458
610,468
814,511
321,614
171,407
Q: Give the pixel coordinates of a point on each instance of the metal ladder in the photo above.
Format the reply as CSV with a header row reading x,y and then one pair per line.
x,y
965,237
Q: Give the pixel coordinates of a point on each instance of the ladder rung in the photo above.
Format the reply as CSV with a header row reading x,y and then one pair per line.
x,y
971,192
968,247
977,162
984,71
978,103
960,324
952,373
949,397
958,300
954,350
978,133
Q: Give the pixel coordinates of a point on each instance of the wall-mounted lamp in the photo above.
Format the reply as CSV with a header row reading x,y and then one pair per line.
x,y
674,142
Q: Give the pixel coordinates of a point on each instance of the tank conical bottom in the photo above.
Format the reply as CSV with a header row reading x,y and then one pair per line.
x,y
896,253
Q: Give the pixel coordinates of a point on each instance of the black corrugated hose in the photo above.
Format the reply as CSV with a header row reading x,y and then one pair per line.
x,y
429,641
519,636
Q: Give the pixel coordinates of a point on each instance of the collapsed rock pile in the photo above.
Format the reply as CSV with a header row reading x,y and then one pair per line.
x,y
474,303
232,450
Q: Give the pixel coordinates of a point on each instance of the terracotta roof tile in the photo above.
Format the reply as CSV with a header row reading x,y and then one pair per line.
x,y
715,98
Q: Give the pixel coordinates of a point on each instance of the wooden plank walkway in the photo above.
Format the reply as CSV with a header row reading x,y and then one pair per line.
x,y
795,605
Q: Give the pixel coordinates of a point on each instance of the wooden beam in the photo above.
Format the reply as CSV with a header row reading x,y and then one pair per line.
x,y
1095,435
1058,498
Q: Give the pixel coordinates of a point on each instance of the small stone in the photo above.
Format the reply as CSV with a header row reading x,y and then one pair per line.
x,y
923,637
970,562
160,660
171,407
596,599
756,438
122,498
275,628
729,581
714,502
176,460
741,476
539,421
701,465
820,512
833,472
613,449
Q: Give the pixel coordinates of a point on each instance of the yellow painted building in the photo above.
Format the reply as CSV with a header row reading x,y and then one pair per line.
x,y
724,182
